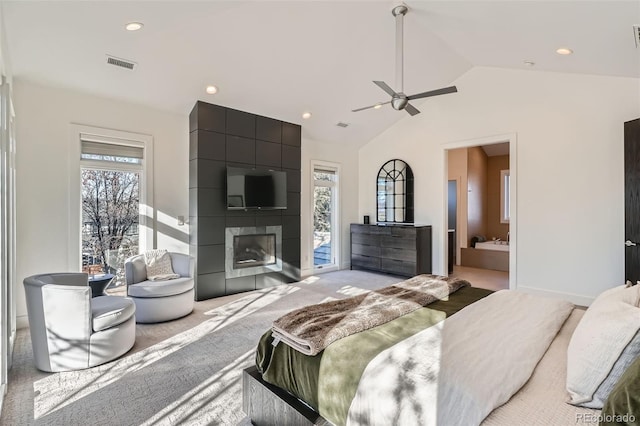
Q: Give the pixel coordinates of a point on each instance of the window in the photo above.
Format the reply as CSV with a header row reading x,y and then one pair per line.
x,y
504,196
325,215
7,232
112,198
394,192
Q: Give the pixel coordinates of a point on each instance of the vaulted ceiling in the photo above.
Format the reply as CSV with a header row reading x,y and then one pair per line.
x,y
281,58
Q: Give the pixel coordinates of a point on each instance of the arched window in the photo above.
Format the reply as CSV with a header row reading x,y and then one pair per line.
x,y
394,192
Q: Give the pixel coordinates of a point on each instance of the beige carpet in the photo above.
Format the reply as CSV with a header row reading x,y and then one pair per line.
x,y
186,371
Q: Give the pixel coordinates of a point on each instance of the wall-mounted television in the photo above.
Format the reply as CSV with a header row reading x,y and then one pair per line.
x,y
256,189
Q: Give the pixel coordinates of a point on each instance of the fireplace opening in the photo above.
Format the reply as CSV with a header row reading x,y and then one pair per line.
x,y
254,250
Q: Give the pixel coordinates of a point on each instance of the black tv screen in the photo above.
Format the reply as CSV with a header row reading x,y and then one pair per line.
x,y
256,189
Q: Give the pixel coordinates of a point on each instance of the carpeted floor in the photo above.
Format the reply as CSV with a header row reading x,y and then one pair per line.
x,y
186,371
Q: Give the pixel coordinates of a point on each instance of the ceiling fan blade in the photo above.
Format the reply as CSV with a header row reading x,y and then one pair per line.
x,y
436,92
411,109
370,106
385,87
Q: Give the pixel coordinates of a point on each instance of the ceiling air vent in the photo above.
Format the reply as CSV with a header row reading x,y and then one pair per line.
x,y
341,124
636,35
122,63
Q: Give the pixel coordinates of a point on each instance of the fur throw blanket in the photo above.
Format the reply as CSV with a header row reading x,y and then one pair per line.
x,y
312,328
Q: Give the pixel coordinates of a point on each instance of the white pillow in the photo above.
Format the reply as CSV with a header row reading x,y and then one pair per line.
x,y
158,263
605,341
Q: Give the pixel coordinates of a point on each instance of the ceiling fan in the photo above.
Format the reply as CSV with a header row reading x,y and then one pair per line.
x,y
399,100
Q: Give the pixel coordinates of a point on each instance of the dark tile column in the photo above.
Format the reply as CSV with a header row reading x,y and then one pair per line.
x,y
221,137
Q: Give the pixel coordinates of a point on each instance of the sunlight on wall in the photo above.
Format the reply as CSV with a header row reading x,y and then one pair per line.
x,y
170,235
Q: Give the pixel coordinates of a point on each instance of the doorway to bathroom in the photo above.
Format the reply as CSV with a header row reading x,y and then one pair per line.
x,y
480,211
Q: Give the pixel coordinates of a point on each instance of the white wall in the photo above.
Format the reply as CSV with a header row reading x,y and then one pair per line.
x,y
43,117
570,181
347,158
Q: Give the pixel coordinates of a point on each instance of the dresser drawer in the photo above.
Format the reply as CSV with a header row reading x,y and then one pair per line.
x,y
398,250
398,254
365,262
398,242
370,229
404,231
365,250
365,239
399,267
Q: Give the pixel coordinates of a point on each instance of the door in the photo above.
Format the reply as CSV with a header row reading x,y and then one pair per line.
x,y
632,199
452,211
325,215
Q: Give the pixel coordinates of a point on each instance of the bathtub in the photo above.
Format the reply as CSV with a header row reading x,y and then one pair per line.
x,y
487,255
494,245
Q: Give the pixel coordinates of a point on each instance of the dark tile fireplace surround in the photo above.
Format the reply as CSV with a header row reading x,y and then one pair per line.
x,y
267,242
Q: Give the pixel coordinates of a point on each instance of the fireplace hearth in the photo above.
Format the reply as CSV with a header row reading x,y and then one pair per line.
x,y
253,251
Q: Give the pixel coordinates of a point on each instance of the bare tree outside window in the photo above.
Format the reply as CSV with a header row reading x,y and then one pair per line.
x,y
110,216
322,225
323,200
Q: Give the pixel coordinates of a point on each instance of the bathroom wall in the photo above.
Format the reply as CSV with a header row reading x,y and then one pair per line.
x,y
457,170
477,192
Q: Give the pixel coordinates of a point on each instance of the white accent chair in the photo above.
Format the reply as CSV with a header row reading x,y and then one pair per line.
x,y
158,301
70,330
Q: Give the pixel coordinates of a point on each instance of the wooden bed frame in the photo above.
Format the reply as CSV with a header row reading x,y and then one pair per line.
x,y
268,405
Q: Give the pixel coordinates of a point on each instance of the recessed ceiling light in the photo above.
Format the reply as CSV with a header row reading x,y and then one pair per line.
x,y
564,51
377,106
134,26
306,115
529,63
212,90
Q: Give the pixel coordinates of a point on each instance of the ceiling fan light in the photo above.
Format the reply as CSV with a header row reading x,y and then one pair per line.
x,y
212,90
377,106
306,115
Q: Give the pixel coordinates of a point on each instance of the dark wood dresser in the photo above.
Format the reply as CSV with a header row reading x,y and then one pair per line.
x,y
395,249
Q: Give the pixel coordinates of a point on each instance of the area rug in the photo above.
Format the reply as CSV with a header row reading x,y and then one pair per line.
x,y
184,372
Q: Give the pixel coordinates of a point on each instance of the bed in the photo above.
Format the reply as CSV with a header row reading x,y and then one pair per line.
x,y
345,383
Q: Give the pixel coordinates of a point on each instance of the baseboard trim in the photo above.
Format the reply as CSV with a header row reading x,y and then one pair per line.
x,y
576,299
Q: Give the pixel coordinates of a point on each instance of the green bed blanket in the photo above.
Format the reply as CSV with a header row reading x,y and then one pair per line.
x,y
328,381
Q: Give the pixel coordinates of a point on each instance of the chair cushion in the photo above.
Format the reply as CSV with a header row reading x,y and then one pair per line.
x,y
109,311
160,288
158,263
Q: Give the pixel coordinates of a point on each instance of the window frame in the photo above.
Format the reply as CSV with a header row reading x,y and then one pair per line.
x,y
389,175
7,232
318,165
147,235
505,198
